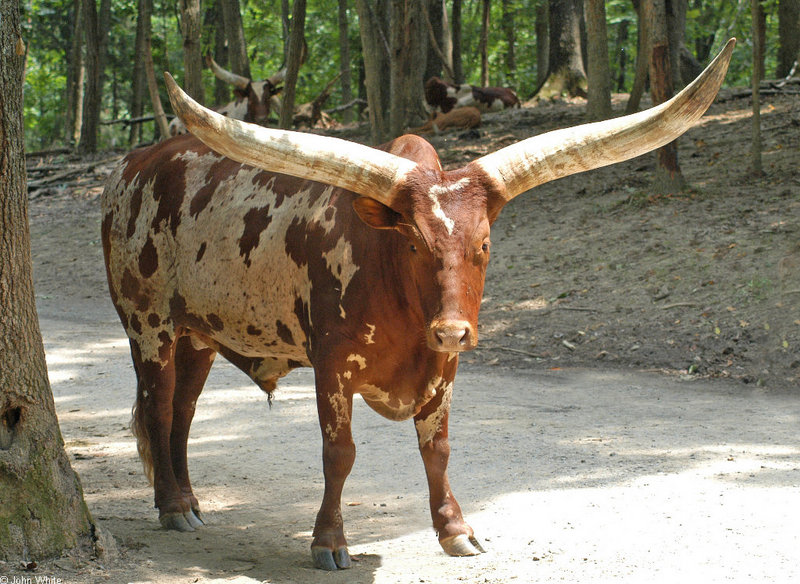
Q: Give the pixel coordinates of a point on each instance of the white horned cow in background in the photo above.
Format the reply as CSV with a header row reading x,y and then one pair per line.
x,y
278,249
254,101
443,96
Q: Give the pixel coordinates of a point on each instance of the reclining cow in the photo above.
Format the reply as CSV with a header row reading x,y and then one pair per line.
x,y
462,118
442,96
254,101
278,249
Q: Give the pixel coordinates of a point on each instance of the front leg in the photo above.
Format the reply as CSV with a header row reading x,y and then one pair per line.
x,y
455,536
335,407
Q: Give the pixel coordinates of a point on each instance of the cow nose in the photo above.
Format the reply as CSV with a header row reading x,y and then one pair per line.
x,y
453,335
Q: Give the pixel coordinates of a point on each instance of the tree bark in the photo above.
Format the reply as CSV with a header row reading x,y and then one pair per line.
x,y
191,27
435,61
668,178
483,46
96,29
598,106
542,42
234,30
642,59
74,89
407,65
788,36
376,61
146,11
222,90
622,54
565,71
138,84
42,511
508,24
458,61
758,24
293,59
344,61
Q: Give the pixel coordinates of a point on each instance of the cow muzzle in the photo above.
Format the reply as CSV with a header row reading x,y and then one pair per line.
x,y
452,336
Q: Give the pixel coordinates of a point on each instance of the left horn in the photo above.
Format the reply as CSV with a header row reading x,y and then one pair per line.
x,y
526,164
238,81
361,169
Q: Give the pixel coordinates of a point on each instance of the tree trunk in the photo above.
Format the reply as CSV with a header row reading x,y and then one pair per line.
x,y
542,42
74,89
409,49
483,45
376,62
598,106
758,26
565,72
234,30
621,52
642,59
788,36
458,62
676,34
42,511
293,59
434,63
96,29
344,61
222,92
191,27
668,177
146,11
509,33
138,84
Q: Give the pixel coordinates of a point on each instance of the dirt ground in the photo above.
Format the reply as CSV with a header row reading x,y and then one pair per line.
x,y
631,412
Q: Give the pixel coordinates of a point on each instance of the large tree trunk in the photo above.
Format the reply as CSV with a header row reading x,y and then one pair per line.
x,y
344,61
788,36
42,511
668,177
542,42
293,59
598,106
146,11
565,72
621,52
434,63
409,49
234,30
213,18
191,27
375,50
96,29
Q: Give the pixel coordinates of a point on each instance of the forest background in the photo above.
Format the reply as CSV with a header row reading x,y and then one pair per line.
x,y
65,35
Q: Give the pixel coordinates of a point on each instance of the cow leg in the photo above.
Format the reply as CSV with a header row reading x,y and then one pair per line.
x,y
153,414
335,407
192,364
455,536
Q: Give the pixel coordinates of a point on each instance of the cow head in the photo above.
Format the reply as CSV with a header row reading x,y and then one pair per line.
x,y
444,217
256,99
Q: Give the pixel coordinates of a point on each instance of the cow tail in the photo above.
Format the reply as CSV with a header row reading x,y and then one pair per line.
x,y
142,438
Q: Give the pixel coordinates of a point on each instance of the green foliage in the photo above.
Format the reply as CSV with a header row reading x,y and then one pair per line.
x,y
48,30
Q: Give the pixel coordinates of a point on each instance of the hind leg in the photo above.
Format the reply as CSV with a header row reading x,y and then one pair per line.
x,y
153,413
193,361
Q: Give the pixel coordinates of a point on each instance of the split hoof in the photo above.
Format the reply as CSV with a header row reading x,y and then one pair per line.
x,y
462,545
331,560
185,522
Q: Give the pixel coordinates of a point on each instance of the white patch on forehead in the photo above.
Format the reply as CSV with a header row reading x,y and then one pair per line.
x,y
437,190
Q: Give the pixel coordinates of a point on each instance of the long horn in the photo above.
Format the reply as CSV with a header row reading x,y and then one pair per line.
x,y
361,169
557,154
237,81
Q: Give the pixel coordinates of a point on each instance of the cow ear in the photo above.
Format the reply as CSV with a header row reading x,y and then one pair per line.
x,y
375,214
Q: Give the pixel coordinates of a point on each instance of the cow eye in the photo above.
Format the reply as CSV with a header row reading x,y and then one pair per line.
x,y
413,248
485,247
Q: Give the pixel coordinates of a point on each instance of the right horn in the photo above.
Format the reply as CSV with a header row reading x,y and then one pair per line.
x,y
237,81
529,163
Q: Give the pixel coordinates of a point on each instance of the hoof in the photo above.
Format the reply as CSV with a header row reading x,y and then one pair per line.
x,y
185,522
331,560
194,519
462,545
